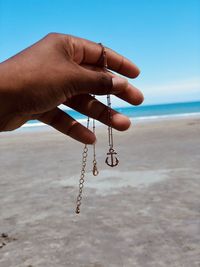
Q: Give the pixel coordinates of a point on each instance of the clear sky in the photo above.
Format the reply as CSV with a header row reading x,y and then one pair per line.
x,y
161,36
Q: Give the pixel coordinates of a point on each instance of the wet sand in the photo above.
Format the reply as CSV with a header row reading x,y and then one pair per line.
x,y
145,212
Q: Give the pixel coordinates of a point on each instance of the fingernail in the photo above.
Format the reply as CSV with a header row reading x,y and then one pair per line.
x,y
119,84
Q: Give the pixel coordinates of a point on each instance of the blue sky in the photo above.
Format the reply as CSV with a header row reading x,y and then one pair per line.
x,y
160,36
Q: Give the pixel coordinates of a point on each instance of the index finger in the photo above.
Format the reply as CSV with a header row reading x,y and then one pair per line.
x,y
88,52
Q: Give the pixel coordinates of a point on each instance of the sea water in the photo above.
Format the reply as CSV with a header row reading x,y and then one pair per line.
x,y
143,112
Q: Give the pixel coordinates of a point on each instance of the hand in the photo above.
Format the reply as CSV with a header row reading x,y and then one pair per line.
x,y
62,69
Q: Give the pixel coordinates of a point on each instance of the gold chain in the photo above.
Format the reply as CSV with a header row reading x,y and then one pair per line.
x,y
82,176
111,159
95,170
84,161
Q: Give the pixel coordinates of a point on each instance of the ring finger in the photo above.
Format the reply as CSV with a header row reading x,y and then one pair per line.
x,y
90,106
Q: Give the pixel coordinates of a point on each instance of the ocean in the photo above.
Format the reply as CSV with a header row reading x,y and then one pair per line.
x,y
143,112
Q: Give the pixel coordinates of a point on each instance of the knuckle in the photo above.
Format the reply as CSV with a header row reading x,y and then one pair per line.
x,y
120,64
69,38
69,43
103,114
71,128
65,40
79,101
50,118
53,35
105,83
56,120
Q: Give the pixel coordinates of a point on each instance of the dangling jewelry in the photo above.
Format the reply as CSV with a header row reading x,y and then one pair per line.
x,y
84,161
111,159
82,176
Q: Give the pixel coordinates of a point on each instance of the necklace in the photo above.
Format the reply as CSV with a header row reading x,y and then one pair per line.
x,y
111,159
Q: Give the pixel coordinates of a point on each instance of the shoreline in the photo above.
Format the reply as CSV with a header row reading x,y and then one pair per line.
x,y
41,127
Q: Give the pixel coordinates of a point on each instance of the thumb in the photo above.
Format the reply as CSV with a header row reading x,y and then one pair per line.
x,y
99,83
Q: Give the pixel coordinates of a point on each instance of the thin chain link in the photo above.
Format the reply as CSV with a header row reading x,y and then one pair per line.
x,y
84,161
95,170
110,130
111,159
82,176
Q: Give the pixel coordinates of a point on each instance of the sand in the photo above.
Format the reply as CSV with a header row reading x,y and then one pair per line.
x,y
145,212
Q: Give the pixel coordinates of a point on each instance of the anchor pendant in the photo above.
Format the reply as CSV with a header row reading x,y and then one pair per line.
x,y
113,159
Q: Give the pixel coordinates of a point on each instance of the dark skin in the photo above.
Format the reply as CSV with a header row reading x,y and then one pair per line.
x,y
63,69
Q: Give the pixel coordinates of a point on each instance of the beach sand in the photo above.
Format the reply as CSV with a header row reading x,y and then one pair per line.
x,y
145,212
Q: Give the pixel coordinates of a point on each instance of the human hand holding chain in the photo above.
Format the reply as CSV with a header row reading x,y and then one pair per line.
x,y
63,69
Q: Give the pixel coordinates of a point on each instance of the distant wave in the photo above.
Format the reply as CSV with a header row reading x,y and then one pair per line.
x,y
142,118
167,116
